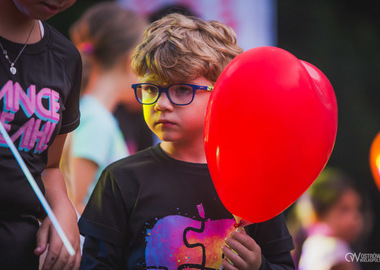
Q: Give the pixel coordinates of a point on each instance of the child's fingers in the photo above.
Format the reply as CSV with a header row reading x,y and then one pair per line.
x,y
228,266
247,249
74,261
243,246
63,259
54,250
245,240
236,245
50,259
70,265
77,260
42,238
233,258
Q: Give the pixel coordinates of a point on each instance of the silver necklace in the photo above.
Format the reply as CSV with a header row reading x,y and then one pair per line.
x,y
12,69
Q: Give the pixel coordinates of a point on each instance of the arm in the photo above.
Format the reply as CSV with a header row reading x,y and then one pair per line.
x,y
55,192
90,150
84,171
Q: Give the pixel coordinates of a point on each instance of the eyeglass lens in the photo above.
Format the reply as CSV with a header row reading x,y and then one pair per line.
x,y
178,94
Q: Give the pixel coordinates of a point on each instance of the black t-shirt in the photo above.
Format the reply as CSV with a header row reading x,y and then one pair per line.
x,y
149,211
37,103
136,133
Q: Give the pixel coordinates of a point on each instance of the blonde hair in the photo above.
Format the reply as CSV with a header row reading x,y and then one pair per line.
x,y
177,48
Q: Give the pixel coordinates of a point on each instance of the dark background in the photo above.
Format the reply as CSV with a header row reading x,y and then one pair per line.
x,y
342,38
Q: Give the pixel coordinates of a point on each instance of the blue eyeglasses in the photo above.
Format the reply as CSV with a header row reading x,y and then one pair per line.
x,y
178,94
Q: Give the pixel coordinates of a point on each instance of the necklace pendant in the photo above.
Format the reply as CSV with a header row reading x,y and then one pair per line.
x,y
13,70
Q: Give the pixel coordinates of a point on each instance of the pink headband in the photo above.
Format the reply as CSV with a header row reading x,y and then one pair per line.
x,y
86,47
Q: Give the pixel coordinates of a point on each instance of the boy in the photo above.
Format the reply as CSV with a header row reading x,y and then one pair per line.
x,y
158,209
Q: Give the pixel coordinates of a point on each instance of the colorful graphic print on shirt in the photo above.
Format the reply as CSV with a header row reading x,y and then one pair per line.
x,y
40,108
178,242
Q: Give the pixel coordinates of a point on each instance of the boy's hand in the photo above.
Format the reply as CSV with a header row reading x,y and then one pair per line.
x,y
241,252
57,256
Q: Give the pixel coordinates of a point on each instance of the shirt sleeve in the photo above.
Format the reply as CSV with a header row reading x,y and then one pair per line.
x,y
275,242
71,114
105,216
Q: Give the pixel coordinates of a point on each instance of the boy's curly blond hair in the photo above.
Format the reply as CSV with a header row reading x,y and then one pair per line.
x,y
178,48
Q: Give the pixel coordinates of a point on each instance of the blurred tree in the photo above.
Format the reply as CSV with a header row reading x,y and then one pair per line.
x,y
342,38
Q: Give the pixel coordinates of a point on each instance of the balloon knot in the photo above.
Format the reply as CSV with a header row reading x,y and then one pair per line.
x,y
238,224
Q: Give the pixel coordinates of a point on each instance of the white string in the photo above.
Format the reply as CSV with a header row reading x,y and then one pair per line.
x,y
37,190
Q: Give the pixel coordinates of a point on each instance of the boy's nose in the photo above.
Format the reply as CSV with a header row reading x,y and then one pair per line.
x,y
163,102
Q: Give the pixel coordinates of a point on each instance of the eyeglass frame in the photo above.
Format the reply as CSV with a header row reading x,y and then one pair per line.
x,y
195,87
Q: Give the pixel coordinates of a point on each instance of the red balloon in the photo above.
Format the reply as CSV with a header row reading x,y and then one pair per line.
x,y
374,159
269,131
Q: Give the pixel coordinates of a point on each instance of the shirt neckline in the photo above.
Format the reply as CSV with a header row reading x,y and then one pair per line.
x,y
33,48
179,165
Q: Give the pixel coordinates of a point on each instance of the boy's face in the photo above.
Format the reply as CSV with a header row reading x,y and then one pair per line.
x,y
176,123
42,9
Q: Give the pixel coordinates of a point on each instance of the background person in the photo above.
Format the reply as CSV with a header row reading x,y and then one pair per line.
x,y
337,205
105,35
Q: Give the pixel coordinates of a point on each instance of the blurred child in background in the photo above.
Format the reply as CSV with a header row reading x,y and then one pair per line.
x,y
338,223
106,35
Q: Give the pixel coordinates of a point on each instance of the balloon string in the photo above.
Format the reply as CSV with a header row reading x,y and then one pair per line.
x,y
37,190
